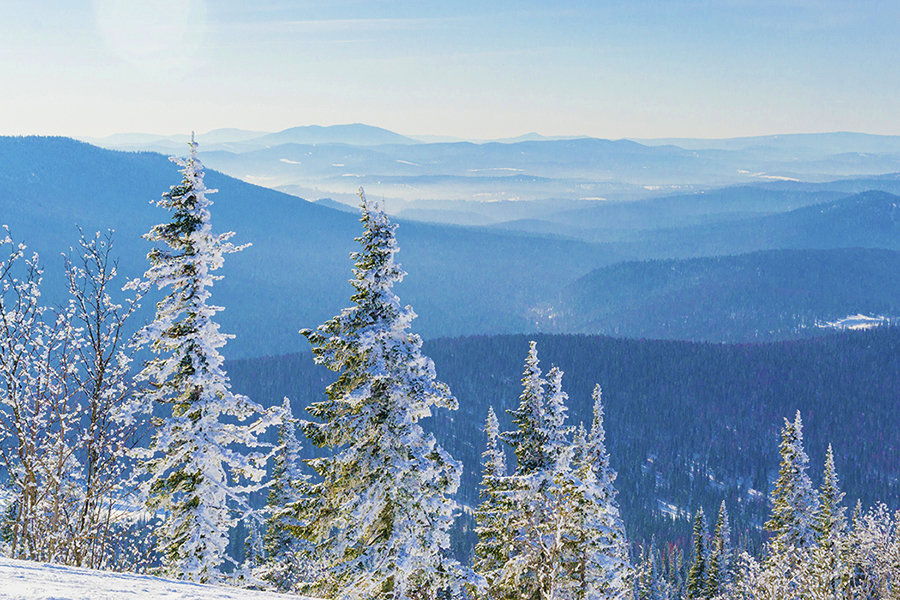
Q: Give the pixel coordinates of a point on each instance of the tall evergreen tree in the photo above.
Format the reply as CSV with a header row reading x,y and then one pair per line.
x,y
381,511
720,556
600,533
535,567
557,447
696,579
492,515
528,439
193,460
281,561
794,501
830,524
830,520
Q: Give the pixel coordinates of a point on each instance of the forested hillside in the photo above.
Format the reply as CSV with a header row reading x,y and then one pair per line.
x,y
774,294
688,424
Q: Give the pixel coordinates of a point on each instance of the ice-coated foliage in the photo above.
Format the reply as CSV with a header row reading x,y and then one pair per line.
x,y
198,456
830,520
551,530
63,384
279,560
380,512
604,553
528,440
492,514
794,500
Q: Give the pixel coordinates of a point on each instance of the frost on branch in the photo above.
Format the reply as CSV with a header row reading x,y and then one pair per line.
x,y
381,510
197,464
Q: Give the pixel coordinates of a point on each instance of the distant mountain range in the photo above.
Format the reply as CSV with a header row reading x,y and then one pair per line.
x,y
462,280
866,220
315,162
244,140
501,276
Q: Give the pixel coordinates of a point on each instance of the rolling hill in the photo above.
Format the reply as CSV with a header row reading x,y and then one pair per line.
x,y
867,220
766,295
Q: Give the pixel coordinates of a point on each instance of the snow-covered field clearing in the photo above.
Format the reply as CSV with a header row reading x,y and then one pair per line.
x,y
25,580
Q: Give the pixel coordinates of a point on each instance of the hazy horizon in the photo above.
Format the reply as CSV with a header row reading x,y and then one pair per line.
x,y
652,69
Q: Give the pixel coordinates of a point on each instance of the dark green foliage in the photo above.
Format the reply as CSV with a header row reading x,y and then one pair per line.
x,y
696,579
720,556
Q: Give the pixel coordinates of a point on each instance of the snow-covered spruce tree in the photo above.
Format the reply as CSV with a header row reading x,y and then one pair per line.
x,y
539,514
279,563
830,521
528,438
794,500
602,566
648,576
696,579
830,524
379,515
718,575
203,449
492,514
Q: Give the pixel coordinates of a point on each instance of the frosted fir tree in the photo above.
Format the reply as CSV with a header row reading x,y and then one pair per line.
x,y
794,501
539,512
830,521
380,513
529,438
195,460
696,580
557,447
492,515
718,576
831,524
281,561
602,567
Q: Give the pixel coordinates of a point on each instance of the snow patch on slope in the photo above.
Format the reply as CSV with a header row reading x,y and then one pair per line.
x,y
26,580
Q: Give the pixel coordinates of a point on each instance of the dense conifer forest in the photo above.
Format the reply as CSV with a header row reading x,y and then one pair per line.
x,y
689,424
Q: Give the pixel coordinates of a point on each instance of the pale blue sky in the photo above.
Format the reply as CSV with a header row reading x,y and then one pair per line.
x,y
639,68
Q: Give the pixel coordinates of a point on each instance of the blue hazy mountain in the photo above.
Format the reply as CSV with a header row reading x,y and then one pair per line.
x,y
792,145
242,140
589,158
774,294
461,280
356,134
866,220
608,221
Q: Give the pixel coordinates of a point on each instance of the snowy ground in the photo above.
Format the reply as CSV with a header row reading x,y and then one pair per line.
x,y
25,580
